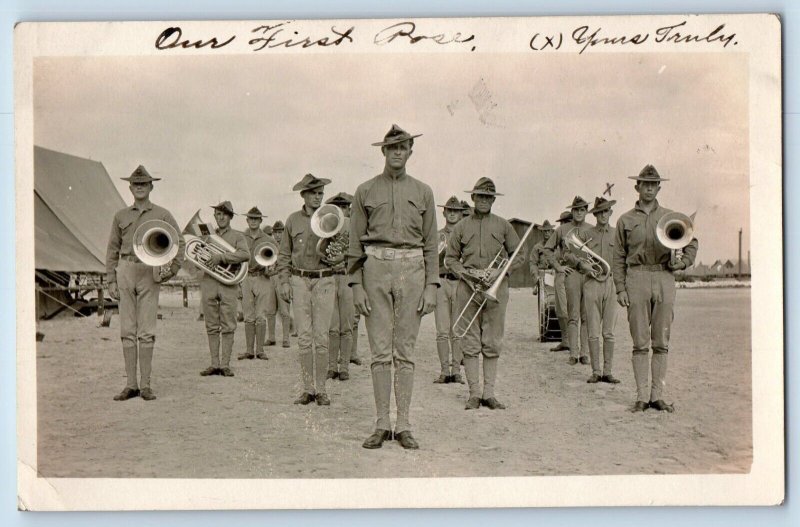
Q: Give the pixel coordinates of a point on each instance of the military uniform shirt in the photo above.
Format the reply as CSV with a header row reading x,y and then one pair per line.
x,y
120,242
476,240
538,259
298,246
252,241
636,243
557,241
396,212
236,240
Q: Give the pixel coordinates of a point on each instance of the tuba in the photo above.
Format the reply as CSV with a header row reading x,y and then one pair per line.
x,y
483,290
601,270
155,243
674,231
199,250
266,253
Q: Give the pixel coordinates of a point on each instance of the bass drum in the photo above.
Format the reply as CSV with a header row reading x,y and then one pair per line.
x,y
549,329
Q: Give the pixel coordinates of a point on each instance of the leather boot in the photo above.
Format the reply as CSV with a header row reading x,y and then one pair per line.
x,y
489,376
641,372
563,325
594,356
443,350
584,338
345,348
403,388
270,328
458,356
226,348
354,348
608,357
333,350
472,371
261,331
129,355
213,347
306,369
321,371
382,391
659,369
145,363
249,340
285,328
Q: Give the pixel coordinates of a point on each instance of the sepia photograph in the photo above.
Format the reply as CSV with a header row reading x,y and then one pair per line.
x,y
324,252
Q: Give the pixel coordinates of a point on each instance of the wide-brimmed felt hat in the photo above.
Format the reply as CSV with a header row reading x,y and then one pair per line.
x,y
224,206
310,182
341,199
395,135
140,175
649,173
467,209
484,186
577,203
267,229
601,204
278,226
255,213
565,216
546,226
454,203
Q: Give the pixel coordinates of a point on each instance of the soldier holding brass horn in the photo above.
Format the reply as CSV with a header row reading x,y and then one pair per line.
x,y
281,306
220,294
643,274
256,286
483,245
132,281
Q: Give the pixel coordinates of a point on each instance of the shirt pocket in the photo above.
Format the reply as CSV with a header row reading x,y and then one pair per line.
x,y
415,211
299,240
125,227
374,204
634,234
469,247
497,242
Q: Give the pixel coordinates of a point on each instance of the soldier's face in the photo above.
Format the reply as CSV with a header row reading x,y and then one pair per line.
x,y
603,216
254,223
277,235
397,154
546,234
223,220
313,198
578,215
141,190
483,203
648,190
452,216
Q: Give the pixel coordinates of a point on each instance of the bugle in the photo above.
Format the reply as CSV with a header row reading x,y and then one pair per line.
x,y
155,243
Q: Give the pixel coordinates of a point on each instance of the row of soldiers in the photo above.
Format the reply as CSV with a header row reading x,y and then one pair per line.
x,y
394,274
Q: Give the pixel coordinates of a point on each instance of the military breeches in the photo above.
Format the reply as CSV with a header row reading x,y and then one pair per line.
x,y
138,302
219,305
256,290
652,297
312,301
485,336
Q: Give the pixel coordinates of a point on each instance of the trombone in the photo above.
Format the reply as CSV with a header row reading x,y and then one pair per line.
x,y
482,290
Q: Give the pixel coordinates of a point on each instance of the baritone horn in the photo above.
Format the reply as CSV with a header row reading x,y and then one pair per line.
x,y
155,243
483,290
266,253
199,251
674,231
601,269
327,221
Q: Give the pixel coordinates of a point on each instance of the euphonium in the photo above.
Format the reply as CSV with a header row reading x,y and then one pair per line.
x,y
266,253
327,221
199,250
674,231
601,269
155,243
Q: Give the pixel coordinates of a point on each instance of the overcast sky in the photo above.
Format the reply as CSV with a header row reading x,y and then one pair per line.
x,y
544,127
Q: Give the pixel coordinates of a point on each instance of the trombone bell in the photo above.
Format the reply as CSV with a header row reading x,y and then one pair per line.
x,y
155,243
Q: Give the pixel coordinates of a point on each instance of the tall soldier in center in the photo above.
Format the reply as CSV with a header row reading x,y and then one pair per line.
x,y
447,307
394,273
474,243
256,289
308,283
577,332
220,300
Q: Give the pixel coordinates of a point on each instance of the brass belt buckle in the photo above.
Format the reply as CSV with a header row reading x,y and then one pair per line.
x,y
389,254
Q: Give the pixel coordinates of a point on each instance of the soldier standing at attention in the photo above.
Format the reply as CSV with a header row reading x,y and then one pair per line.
x,y
308,283
447,307
220,300
538,260
394,272
343,317
576,327
646,286
600,295
132,283
560,286
282,307
473,245
256,289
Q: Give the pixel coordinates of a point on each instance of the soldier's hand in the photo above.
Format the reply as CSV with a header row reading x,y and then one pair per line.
x,y
622,299
214,260
677,265
493,274
568,270
428,301
286,292
361,300
584,267
113,290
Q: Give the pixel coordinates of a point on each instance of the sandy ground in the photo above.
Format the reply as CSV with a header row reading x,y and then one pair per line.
x,y
247,426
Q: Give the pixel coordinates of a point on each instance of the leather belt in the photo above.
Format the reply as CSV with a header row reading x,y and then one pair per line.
x,y
389,253
449,276
129,258
648,267
321,273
